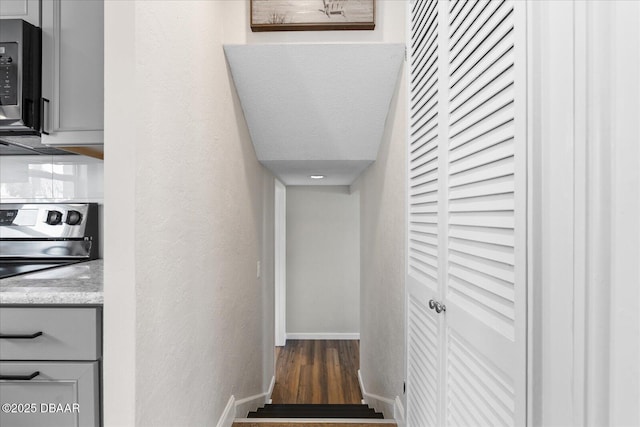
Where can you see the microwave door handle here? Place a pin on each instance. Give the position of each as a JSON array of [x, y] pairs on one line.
[[45, 116]]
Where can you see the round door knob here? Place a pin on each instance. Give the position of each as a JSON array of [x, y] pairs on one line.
[[432, 304], [73, 218], [54, 217], [440, 307]]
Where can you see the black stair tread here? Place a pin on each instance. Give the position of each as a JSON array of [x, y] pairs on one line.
[[337, 405], [353, 405], [318, 408], [316, 411], [313, 415], [323, 413]]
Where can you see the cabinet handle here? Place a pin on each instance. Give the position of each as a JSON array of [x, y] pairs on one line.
[[440, 307], [45, 116], [20, 377], [432, 304], [20, 336]]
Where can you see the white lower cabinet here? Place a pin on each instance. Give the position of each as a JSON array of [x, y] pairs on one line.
[[50, 366]]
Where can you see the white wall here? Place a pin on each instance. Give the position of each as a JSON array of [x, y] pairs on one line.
[[323, 259], [381, 300], [187, 323], [585, 326], [382, 251], [183, 333]]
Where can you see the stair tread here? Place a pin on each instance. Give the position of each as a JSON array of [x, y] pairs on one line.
[[316, 404], [255, 422], [315, 412], [327, 411], [375, 415], [312, 408]]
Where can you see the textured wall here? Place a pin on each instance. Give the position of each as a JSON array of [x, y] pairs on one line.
[[382, 251], [183, 332], [200, 221], [323, 258]]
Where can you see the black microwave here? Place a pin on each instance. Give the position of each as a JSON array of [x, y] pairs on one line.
[[20, 77]]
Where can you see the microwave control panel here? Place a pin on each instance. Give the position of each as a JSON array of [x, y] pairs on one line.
[[8, 73]]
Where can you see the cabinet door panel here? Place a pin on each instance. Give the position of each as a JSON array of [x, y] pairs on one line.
[[478, 391], [422, 363], [485, 287], [58, 383], [67, 333], [73, 71], [29, 10], [424, 237]]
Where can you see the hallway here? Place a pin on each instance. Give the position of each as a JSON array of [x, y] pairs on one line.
[[496, 223], [317, 371]]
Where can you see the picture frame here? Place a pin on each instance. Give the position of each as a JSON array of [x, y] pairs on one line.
[[312, 15]]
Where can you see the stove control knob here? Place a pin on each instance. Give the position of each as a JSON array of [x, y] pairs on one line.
[[54, 217], [73, 218]]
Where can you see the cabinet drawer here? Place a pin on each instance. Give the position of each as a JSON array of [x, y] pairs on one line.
[[72, 389], [58, 333]]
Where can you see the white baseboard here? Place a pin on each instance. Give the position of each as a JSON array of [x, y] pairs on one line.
[[270, 391], [315, 421], [229, 414], [252, 403], [323, 335], [248, 404], [398, 412], [382, 404]]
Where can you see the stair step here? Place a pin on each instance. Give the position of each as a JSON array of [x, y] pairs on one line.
[[319, 410], [326, 411], [324, 405], [281, 422]]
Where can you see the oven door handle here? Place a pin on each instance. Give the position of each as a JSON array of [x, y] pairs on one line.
[[20, 336], [20, 377]]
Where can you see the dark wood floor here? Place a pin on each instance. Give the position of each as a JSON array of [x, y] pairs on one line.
[[317, 371]]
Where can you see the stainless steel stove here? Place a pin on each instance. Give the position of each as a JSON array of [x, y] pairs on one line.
[[39, 236]]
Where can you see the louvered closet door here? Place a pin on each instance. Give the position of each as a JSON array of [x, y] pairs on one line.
[[423, 264], [467, 231], [485, 290]]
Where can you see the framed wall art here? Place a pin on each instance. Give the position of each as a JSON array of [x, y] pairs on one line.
[[312, 15]]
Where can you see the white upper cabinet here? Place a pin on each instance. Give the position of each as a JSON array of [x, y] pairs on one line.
[[72, 72], [29, 10]]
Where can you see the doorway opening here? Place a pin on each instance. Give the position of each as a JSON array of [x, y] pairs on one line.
[[317, 280]]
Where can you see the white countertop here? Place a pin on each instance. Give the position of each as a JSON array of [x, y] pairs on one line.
[[80, 283]]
